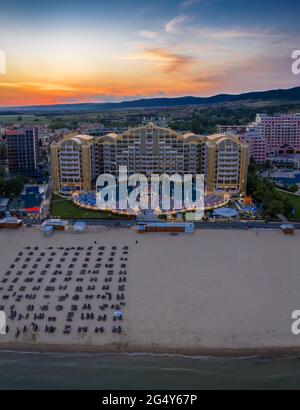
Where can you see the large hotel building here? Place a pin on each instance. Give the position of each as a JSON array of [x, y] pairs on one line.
[[22, 150], [74, 163], [281, 132], [78, 159], [269, 136]]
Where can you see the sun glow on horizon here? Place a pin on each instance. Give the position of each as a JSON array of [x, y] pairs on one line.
[[66, 60]]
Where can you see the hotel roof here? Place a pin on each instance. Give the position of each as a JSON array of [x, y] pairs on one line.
[[78, 138], [112, 137], [218, 138]]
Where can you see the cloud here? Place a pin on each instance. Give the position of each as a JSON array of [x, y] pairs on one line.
[[39, 86], [187, 4], [174, 26], [148, 34], [235, 33], [171, 62]]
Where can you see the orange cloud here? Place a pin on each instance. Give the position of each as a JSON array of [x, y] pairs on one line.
[[171, 62], [19, 94]]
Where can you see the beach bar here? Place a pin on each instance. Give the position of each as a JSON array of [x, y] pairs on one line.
[[10, 223], [167, 227], [57, 224], [287, 229]]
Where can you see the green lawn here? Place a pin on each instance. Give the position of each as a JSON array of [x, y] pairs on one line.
[[295, 201], [26, 119], [64, 208]]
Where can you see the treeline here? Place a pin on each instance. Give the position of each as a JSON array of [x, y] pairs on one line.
[[10, 187], [264, 192], [205, 120], [3, 151]]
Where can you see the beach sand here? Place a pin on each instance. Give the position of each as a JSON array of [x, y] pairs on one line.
[[214, 292]]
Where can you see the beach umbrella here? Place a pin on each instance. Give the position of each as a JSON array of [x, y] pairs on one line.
[[118, 314]]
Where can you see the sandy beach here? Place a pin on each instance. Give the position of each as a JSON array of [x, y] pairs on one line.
[[214, 292]]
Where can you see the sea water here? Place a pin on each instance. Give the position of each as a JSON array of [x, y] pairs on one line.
[[150, 372]]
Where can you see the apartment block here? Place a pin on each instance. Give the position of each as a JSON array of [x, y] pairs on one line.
[[281, 132], [257, 144], [22, 150]]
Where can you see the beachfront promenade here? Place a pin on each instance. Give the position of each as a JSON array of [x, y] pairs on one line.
[[235, 225], [210, 292]]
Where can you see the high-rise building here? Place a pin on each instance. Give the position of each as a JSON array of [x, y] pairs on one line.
[[256, 142], [79, 159], [22, 150], [282, 132], [74, 163], [226, 162]]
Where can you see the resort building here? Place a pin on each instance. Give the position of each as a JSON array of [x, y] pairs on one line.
[[150, 150], [282, 132], [256, 142], [231, 129], [22, 150], [250, 135], [74, 163], [79, 159], [226, 162]]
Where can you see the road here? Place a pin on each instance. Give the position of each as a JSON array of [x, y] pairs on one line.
[[199, 225]]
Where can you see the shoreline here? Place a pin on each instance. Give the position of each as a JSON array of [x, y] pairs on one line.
[[226, 353]]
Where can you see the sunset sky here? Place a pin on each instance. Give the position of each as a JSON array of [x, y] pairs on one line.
[[96, 51]]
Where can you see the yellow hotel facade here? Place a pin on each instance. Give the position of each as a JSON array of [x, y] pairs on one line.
[[77, 160]]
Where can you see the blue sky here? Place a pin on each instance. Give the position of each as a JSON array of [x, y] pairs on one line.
[[275, 13], [95, 50]]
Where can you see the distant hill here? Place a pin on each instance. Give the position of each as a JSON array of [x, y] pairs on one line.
[[292, 94]]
